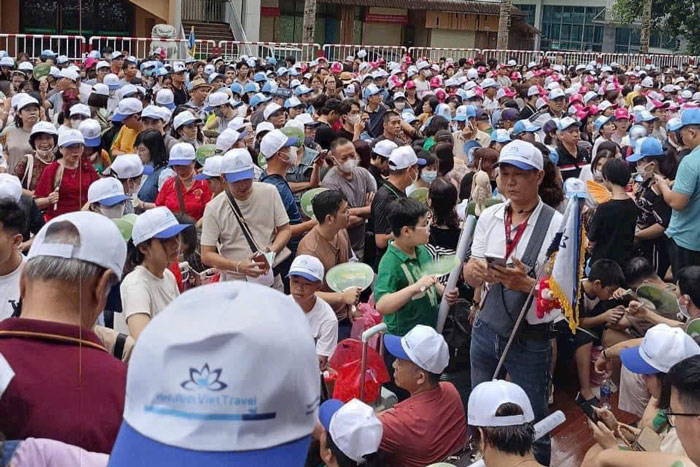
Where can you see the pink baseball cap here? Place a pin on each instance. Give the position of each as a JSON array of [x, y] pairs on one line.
[[622, 114], [410, 85]]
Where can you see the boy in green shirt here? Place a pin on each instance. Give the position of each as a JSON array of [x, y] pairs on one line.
[[403, 295]]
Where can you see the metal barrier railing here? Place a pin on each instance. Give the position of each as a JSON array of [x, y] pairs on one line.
[[143, 47], [390, 53], [436, 53], [33, 44], [75, 47], [232, 50]]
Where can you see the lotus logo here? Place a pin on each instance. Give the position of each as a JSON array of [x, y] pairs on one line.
[[204, 379]]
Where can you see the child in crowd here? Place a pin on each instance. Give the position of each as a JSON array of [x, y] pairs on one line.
[[305, 279], [611, 234]]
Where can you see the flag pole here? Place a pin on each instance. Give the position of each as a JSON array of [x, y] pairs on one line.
[[465, 239]]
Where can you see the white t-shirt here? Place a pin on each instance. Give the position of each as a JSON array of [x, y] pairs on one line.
[[490, 240], [324, 327], [142, 292], [9, 291]]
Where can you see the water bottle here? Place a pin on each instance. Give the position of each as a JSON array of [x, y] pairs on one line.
[[605, 393]]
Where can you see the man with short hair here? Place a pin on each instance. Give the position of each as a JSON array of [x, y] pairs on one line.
[[357, 184], [329, 242], [376, 110], [178, 85], [244, 222], [429, 425], [351, 120], [12, 220], [519, 233], [501, 415], [74, 261], [130, 71], [379, 159], [391, 123], [571, 157], [328, 116], [684, 198], [554, 110], [199, 90]]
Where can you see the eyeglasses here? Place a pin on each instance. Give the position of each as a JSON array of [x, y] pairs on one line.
[[671, 417]]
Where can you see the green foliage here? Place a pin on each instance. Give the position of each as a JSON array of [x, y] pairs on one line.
[[677, 18]]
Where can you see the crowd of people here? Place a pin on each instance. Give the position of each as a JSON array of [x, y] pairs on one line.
[[163, 288]]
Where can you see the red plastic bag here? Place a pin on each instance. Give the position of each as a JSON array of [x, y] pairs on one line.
[[370, 317], [347, 362]]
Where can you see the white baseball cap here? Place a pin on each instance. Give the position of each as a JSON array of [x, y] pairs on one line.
[[218, 98], [575, 187], [91, 131], [662, 347], [307, 266], [10, 187], [237, 165], [353, 427], [489, 83], [184, 118], [566, 123], [178, 67], [44, 127], [522, 155], [384, 147], [152, 112], [181, 154], [294, 123], [533, 91], [127, 107], [274, 141], [80, 109], [556, 93], [100, 89], [588, 96], [70, 74], [263, 126], [100, 241], [228, 138], [156, 223], [24, 100], [165, 98], [102, 64], [237, 123], [112, 81], [307, 119], [487, 397], [126, 166], [116, 54], [212, 168], [69, 138], [500, 136], [423, 346], [227, 391], [403, 157], [270, 109], [108, 191]]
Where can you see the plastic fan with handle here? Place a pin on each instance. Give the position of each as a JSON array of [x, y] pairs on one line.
[[441, 266], [598, 192], [343, 276], [307, 199]]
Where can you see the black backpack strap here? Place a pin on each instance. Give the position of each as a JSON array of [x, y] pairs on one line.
[[539, 232], [119, 344]]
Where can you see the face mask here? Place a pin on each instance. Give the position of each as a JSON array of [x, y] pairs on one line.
[[347, 166], [292, 158], [112, 212], [683, 309], [44, 153], [427, 73], [428, 176], [353, 118], [597, 176], [399, 105], [647, 171]]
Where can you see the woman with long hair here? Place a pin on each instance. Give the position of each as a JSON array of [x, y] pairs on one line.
[[150, 147], [444, 230], [186, 128], [428, 105]]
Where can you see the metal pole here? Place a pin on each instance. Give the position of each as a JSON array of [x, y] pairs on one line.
[[465, 239]]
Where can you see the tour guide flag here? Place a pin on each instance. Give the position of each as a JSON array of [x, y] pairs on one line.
[[567, 262], [190, 43]]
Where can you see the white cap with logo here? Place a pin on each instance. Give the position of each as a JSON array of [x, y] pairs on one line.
[[486, 398], [237, 165], [403, 157], [384, 147], [522, 155], [353, 427], [181, 154], [307, 266], [662, 347], [227, 391], [212, 168], [273, 142]]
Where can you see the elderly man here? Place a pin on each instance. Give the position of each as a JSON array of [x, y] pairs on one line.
[[72, 264], [358, 186], [430, 425], [517, 234], [245, 228]]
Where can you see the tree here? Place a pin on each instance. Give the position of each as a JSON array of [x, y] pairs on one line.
[[645, 34], [674, 18], [309, 26], [504, 24]]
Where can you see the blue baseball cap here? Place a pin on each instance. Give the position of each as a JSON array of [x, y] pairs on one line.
[[647, 147], [690, 117], [236, 88], [259, 77], [500, 136], [250, 87], [674, 124], [525, 126]]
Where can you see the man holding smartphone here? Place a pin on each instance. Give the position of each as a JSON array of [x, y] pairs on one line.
[[518, 234]]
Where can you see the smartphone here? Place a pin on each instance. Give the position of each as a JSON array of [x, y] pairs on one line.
[[589, 411], [260, 258], [492, 261]]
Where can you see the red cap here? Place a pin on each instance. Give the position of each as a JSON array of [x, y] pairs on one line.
[[621, 114], [410, 85]]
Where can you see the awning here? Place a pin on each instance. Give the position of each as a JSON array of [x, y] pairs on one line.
[[477, 8], [525, 28]]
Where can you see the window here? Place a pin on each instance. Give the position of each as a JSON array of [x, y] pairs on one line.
[[628, 40], [529, 11], [571, 28]]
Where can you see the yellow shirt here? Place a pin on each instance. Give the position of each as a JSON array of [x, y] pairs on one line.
[[124, 142]]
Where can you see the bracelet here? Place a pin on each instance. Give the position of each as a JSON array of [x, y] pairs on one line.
[[238, 263]]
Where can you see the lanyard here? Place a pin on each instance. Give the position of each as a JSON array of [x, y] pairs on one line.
[[511, 243]]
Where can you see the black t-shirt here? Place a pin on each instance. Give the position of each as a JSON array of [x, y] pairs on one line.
[[652, 208], [325, 136], [569, 165], [343, 133], [612, 230], [181, 96], [34, 219], [380, 211], [445, 239]]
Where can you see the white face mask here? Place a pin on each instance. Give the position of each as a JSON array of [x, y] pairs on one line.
[[353, 118], [291, 159], [683, 309], [399, 105], [347, 166], [427, 73], [112, 212]]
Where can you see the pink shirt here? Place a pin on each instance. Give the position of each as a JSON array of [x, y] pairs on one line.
[[425, 428]]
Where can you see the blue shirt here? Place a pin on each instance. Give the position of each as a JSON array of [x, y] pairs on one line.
[[290, 204], [149, 190], [685, 224]]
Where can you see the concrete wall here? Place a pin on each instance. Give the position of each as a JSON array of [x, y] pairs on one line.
[[381, 34]]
